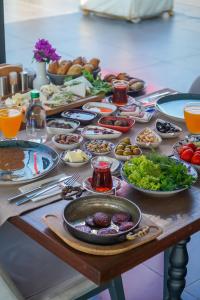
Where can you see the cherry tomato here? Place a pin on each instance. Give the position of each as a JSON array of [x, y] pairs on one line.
[[192, 146], [197, 149], [182, 148], [196, 159], [187, 154]]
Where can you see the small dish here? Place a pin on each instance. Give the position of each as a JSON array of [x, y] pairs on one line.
[[130, 147], [104, 109], [56, 126], [185, 141], [84, 117], [97, 132], [104, 122], [140, 115], [67, 146], [167, 135], [108, 99], [116, 186], [99, 147], [114, 162], [148, 138], [74, 164]]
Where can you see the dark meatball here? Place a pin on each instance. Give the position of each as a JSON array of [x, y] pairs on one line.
[[101, 219], [90, 221], [83, 228], [106, 231], [121, 217], [126, 226]]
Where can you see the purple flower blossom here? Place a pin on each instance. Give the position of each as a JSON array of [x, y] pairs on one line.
[[44, 52]]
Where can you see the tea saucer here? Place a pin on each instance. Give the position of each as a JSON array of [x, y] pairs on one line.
[[116, 186], [131, 100]]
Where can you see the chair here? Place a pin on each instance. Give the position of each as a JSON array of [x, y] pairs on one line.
[[39, 275]]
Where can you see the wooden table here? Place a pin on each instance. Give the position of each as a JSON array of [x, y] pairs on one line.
[[179, 216]]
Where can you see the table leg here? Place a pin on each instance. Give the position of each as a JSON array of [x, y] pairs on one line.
[[116, 289], [2, 34], [177, 270], [166, 268]]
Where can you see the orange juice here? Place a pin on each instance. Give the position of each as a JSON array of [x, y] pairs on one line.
[[10, 121], [192, 117]]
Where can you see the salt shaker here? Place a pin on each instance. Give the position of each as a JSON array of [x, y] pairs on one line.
[[13, 82]]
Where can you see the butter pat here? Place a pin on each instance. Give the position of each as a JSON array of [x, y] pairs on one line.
[[76, 156]]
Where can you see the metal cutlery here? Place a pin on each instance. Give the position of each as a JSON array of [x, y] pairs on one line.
[[68, 181], [43, 185]]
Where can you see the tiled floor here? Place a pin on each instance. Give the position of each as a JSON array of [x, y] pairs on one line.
[[165, 51]]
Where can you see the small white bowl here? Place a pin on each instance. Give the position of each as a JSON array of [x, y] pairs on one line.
[[93, 107], [67, 146], [75, 164], [148, 145], [169, 135], [57, 130]]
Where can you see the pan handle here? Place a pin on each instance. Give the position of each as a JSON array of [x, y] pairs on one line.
[[137, 233]]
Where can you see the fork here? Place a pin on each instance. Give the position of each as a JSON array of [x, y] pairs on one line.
[[69, 181]]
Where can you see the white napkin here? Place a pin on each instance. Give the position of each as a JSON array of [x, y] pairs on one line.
[[53, 192]]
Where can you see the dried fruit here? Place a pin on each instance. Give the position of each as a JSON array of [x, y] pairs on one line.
[[83, 228], [121, 217], [101, 219], [126, 226], [106, 231]]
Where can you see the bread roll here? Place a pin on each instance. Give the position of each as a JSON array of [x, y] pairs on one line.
[[53, 67], [80, 61], [88, 67], [64, 67], [75, 70], [95, 62], [109, 77]]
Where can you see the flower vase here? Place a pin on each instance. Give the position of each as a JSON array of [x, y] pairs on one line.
[[41, 76]]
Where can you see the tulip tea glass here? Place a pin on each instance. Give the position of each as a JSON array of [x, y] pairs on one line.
[[102, 178], [120, 89]]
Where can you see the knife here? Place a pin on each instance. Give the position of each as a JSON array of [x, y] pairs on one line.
[[43, 185]]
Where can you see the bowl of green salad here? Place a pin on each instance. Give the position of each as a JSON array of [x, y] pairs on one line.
[[158, 175]]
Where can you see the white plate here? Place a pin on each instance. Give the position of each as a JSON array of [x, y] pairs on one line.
[[114, 162], [111, 147], [100, 136], [190, 139], [93, 107], [75, 164], [148, 145], [57, 130], [191, 171], [67, 146], [116, 186], [171, 134]]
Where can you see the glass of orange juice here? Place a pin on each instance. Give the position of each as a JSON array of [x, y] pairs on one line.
[[10, 121], [192, 117]]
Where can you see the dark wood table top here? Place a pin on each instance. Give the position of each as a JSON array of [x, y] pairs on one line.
[[179, 217]]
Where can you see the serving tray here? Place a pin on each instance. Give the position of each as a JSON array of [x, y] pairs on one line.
[[55, 224]]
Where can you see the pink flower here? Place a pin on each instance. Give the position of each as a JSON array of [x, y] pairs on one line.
[[44, 52]]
